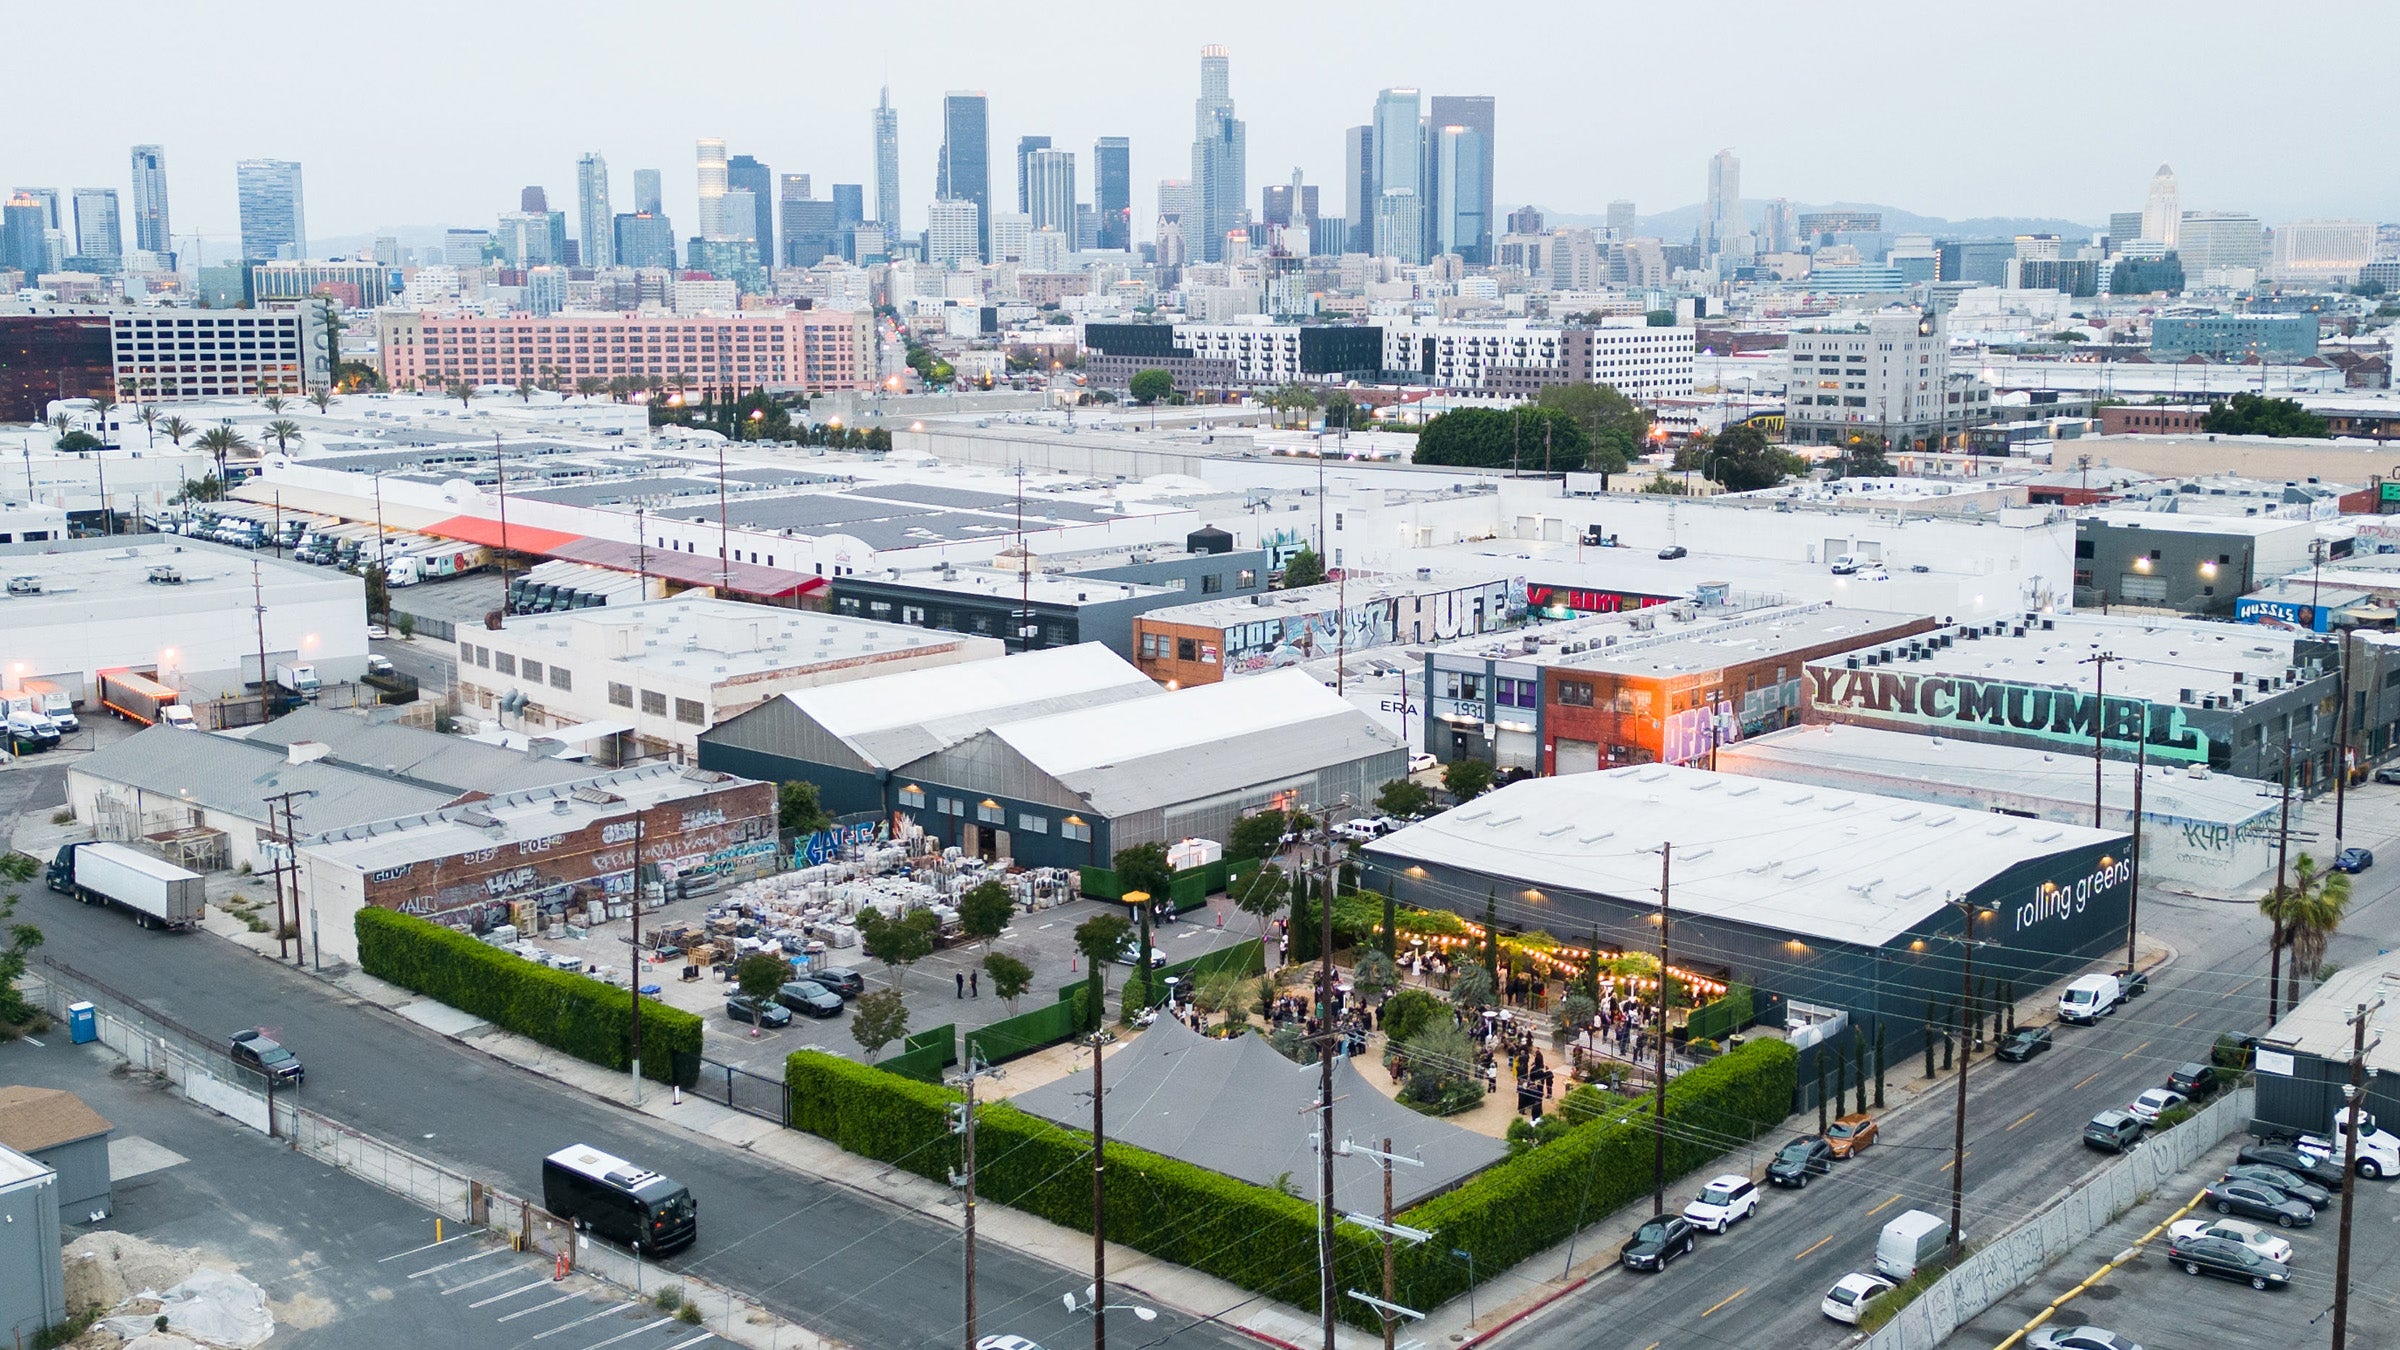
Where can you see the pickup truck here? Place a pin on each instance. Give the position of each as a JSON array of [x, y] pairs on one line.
[[256, 1052]]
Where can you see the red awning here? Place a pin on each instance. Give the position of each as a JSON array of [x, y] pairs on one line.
[[521, 538]]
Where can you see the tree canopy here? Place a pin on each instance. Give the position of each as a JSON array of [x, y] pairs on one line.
[[1744, 460], [1466, 779], [1305, 568], [1616, 425], [797, 810], [985, 910], [1143, 867], [1257, 835], [1150, 386], [1403, 797], [2258, 415], [1534, 438]]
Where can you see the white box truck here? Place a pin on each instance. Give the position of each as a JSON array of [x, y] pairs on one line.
[[160, 894], [301, 679], [1910, 1242], [57, 704]]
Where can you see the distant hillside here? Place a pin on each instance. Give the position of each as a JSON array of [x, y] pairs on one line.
[[1679, 224]]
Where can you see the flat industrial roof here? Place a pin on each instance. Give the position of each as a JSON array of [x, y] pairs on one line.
[[1837, 865], [84, 580], [517, 817], [893, 719], [1674, 648], [2320, 1025], [2154, 658], [1235, 610], [725, 639], [1045, 587]]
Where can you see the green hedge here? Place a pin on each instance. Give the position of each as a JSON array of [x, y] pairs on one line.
[[925, 1054], [1263, 1239], [561, 1009], [1722, 1017], [1025, 1033]]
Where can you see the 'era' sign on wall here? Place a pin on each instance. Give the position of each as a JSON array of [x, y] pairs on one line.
[[2031, 710]]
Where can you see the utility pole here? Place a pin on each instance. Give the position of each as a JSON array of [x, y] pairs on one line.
[[636, 982], [963, 1125], [258, 608], [2354, 1094], [724, 530], [2341, 745], [1391, 1312], [1326, 1038], [1658, 1100], [1966, 1056], [283, 943], [2133, 893], [290, 858], [2099, 664], [1099, 1210], [2283, 858], [500, 477]]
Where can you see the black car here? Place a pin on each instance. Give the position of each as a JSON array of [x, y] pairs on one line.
[[1657, 1242], [2231, 1260], [741, 1009], [254, 1051], [2134, 983], [2194, 1080], [2325, 1171], [2115, 1129], [2291, 1184], [810, 997], [2257, 1200], [2024, 1043], [1798, 1161], [841, 980], [1674, 551]]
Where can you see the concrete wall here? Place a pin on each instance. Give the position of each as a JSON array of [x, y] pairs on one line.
[[33, 1286], [82, 1167]]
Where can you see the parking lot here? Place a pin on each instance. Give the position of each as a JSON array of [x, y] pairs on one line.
[[2157, 1304]]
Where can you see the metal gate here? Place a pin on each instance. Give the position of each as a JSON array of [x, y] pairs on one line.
[[745, 1091]]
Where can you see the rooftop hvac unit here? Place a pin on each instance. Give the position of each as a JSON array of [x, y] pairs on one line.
[[1851, 661], [2018, 631], [2186, 696], [2049, 624]]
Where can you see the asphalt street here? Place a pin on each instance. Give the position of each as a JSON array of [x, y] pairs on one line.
[[843, 1264], [426, 658], [1760, 1284]]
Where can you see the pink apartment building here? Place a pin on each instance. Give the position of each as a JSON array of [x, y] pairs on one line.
[[779, 349]]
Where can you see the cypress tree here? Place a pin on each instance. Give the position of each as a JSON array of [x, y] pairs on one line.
[[1879, 1066]]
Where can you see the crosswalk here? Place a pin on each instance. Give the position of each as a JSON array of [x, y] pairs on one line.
[[529, 1307]]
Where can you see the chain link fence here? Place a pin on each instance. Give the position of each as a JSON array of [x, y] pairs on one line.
[[1987, 1276]]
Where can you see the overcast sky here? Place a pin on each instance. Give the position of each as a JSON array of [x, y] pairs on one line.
[[436, 112]]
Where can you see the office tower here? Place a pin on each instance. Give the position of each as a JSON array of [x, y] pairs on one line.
[[1460, 225], [648, 195], [812, 230], [1087, 227], [849, 203], [1050, 189], [1220, 146], [2323, 251], [1112, 191], [741, 215], [1475, 112], [387, 250], [532, 238], [274, 225], [1399, 167], [711, 157], [533, 200], [1174, 199], [2162, 217], [887, 166], [1721, 217], [1525, 220], [97, 233], [745, 174], [465, 248], [151, 233], [1620, 219], [952, 226], [1400, 226], [2217, 239], [2123, 228], [1779, 227], [645, 240], [1026, 145], [964, 173], [47, 198], [1010, 232], [593, 220], [1358, 179], [23, 223], [1288, 206]]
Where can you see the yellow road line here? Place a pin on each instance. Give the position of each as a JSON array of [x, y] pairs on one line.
[[2087, 1078], [1954, 1161], [2237, 989], [2187, 1021], [1820, 1242], [2135, 1050], [2111, 1264], [1728, 1299], [1884, 1206], [2023, 1118]]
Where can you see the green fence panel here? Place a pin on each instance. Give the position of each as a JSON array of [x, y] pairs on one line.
[[1025, 1033], [1721, 1018]]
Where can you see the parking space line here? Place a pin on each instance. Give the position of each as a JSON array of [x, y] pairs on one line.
[[679, 1345], [426, 1248], [629, 1335], [486, 1279], [2135, 1050], [489, 1251], [511, 1317], [1954, 1161], [2087, 1078], [1819, 1243], [1885, 1205], [1728, 1299], [2022, 1119], [594, 1317], [496, 1298]]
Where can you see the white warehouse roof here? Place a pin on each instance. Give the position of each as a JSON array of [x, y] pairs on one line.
[[893, 719]]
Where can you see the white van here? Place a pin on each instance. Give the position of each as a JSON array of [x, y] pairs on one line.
[[1910, 1241], [1850, 564], [2091, 998]]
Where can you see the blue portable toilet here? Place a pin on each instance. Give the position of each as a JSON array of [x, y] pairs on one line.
[[83, 1023]]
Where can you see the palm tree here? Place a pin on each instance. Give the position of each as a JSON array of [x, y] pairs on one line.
[[2306, 914], [222, 440], [589, 385], [618, 387], [149, 420], [102, 406], [463, 391], [62, 423], [525, 391], [282, 431], [323, 398], [274, 403], [176, 429]]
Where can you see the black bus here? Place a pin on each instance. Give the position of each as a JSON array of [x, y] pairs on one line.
[[619, 1201]]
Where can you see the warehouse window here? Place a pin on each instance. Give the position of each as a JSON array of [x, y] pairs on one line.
[[1149, 646], [1575, 693], [561, 678], [654, 703], [689, 711], [913, 798], [1074, 828], [504, 663], [1211, 584], [1033, 824], [1187, 649], [533, 670], [620, 694], [991, 812]]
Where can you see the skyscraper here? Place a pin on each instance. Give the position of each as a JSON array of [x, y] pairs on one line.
[[964, 173], [1721, 218], [711, 158], [1620, 219], [2162, 216], [849, 204], [1399, 162], [950, 231], [1220, 147], [1460, 224], [23, 222], [1026, 145], [1358, 179], [273, 220], [47, 199], [533, 199], [649, 198], [887, 166], [1112, 191], [1050, 189], [150, 230], [592, 216], [97, 231], [745, 174], [1477, 113]]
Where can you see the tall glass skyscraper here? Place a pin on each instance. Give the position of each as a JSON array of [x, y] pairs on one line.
[[1026, 145], [98, 233], [274, 225], [649, 196], [1220, 149], [1050, 190], [1399, 159], [23, 223], [1721, 217], [746, 174], [1112, 191], [150, 230], [592, 216], [965, 172], [1475, 112], [887, 166], [710, 160]]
